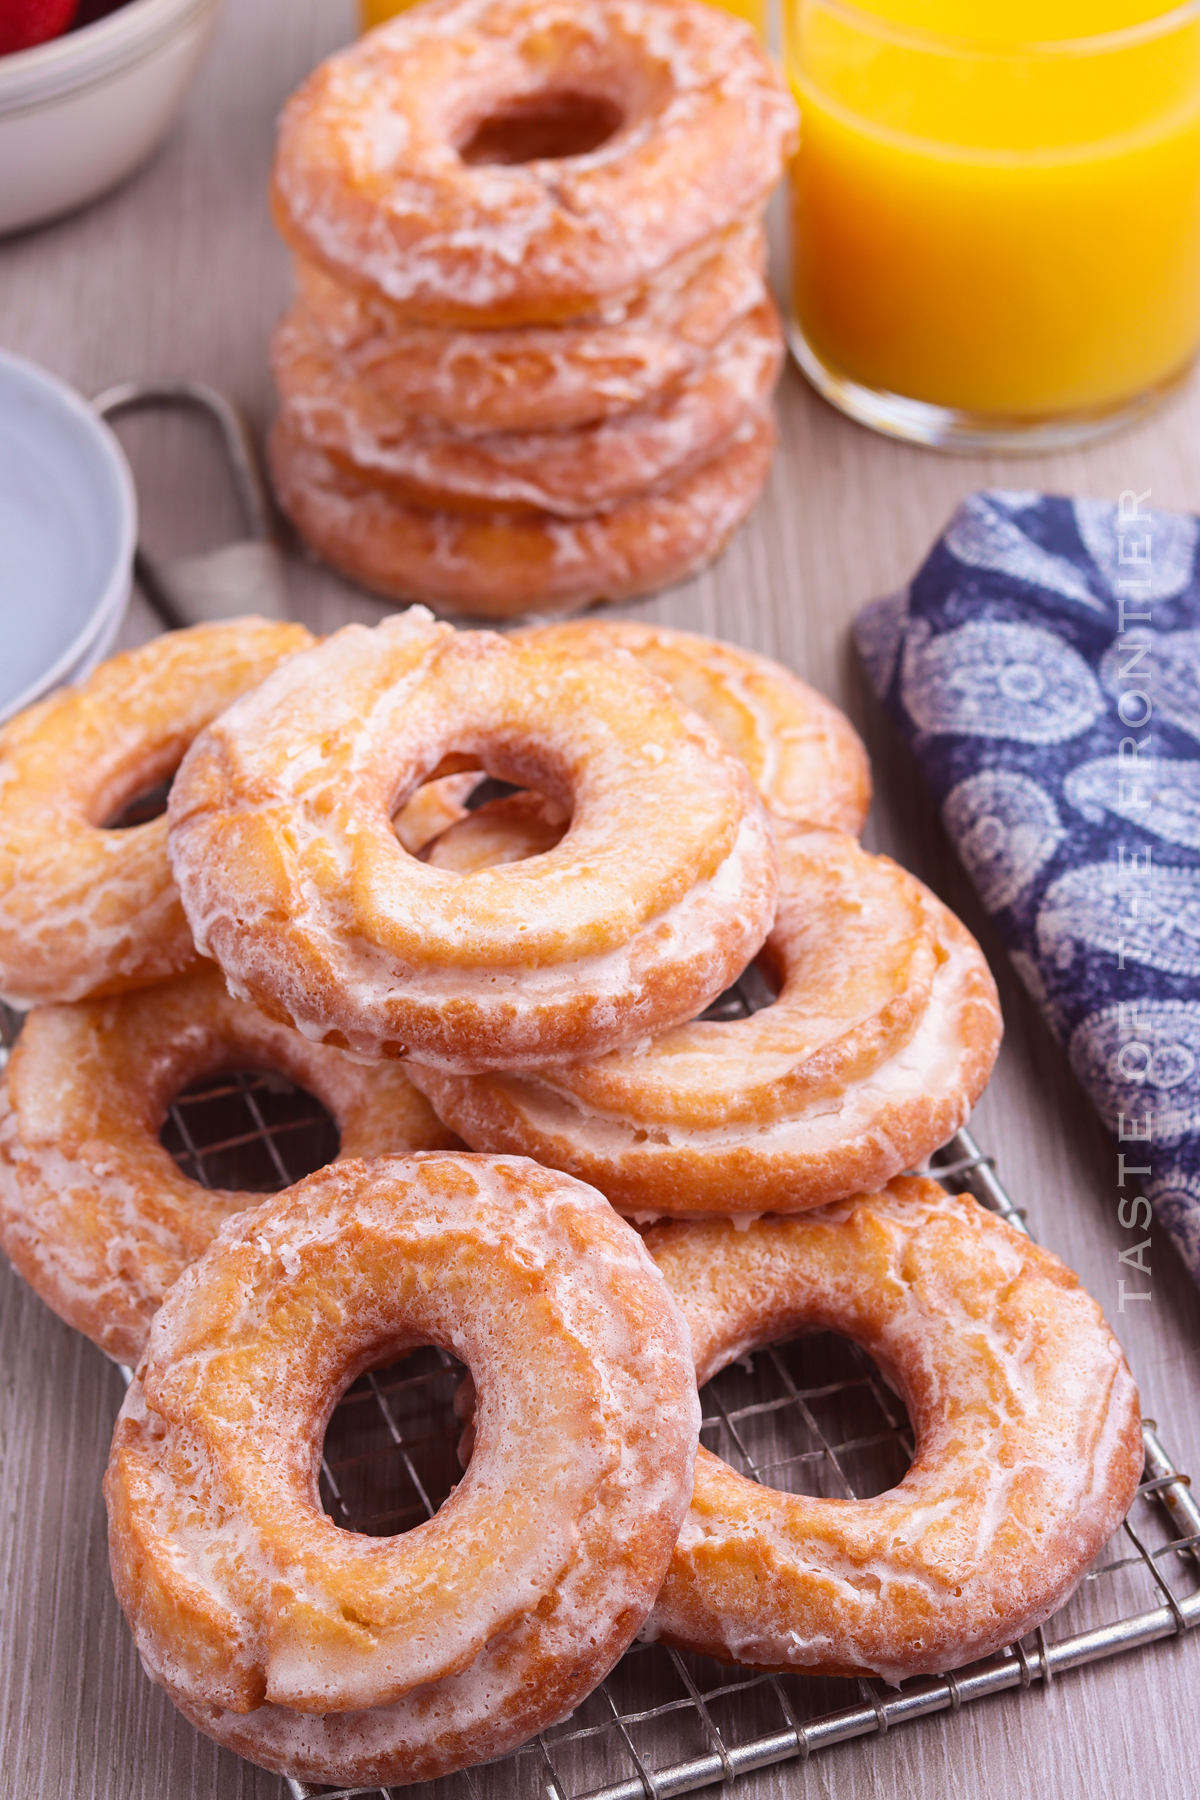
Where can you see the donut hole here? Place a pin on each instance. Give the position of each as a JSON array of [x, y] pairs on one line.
[[390, 1456], [148, 803], [813, 1415], [504, 824], [490, 789], [545, 127], [251, 1131]]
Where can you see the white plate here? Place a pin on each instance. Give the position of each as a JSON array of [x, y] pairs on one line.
[[68, 527], [79, 114]]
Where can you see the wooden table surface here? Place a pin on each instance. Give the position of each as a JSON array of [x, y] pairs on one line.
[[180, 274]]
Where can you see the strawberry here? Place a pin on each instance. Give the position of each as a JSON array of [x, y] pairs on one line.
[[27, 22]]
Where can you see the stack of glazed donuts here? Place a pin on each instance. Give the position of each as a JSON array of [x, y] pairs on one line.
[[531, 358], [528, 975]]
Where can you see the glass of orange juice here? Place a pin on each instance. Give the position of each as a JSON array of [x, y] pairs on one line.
[[995, 213], [374, 12]]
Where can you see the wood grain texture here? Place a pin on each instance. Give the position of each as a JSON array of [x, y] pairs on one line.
[[180, 274]]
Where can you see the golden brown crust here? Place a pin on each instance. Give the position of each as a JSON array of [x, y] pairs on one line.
[[568, 473], [507, 567], [331, 1656], [542, 378], [94, 1212], [1028, 1440], [85, 911], [293, 880], [882, 1039], [369, 182], [805, 757]]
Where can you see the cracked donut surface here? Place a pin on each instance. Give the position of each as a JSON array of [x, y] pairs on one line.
[[293, 879], [804, 756], [370, 181], [882, 1037], [546, 378], [568, 473], [506, 566], [84, 910], [94, 1212], [331, 1656], [1026, 1420]]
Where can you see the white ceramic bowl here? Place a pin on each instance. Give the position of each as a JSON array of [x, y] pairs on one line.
[[68, 529], [77, 115]]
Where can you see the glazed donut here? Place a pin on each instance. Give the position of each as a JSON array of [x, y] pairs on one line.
[[83, 910], [882, 1038], [546, 379], [508, 567], [94, 1212], [385, 175], [293, 880], [1028, 1439], [334, 1657], [572, 474], [805, 757]]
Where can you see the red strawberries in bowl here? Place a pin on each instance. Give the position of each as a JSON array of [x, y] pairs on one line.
[[24, 23]]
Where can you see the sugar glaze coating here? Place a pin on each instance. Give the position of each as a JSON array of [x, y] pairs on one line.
[[508, 566], [84, 910], [293, 880], [883, 1036], [370, 183], [94, 1212], [545, 378], [805, 758], [571, 473], [335, 1657], [1028, 1439]]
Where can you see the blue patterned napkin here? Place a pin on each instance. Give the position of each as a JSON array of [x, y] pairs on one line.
[[1044, 665]]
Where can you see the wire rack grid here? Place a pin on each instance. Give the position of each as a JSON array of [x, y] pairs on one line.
[[811, 1416]]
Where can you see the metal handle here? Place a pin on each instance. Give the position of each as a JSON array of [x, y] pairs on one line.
[[246, 576]]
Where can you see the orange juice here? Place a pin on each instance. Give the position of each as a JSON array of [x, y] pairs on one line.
[[374, 12], [755, 12], [991, 227]]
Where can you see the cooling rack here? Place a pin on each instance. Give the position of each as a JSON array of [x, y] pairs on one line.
[[810, 1416]]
